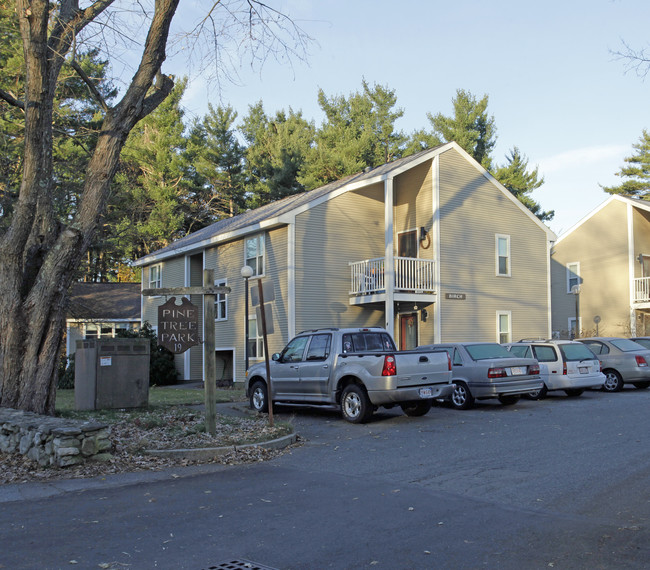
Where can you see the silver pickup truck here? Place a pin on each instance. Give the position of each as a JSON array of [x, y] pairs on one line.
[[355, 370]]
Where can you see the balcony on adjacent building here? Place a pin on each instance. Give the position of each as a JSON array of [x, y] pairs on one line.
[[642, 290], [414, 280]]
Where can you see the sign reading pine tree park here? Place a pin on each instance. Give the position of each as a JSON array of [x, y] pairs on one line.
[[178, 325]]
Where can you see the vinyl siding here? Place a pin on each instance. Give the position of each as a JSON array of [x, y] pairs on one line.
[[344, 229], [600, 246], [472, 211]]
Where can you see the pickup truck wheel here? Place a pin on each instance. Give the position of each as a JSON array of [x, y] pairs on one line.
[[613, 381], [537, 394], [259, 397], [355, 404], [417, 408], [574, 392], [462, 398], [508, 399]]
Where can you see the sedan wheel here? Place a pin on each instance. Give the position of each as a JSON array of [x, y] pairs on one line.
[[537, 394], [613, 381], [462, 398]]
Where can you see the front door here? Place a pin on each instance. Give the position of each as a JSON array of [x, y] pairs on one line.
[[408, 328]]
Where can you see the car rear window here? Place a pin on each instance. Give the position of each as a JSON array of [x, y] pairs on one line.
[[520, 351], [486, 351], [626, 345], [546, 353], [576, 351], [644, 342], [367, 342]]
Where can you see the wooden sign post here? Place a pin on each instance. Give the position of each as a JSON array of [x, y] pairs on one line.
[[209, 292]]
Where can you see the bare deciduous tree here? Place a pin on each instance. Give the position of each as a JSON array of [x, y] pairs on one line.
[[40, 253]]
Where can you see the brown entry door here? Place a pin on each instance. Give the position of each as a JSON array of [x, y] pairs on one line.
[[408, 328]]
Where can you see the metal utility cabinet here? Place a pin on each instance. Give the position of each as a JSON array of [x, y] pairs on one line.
[[111, 373]]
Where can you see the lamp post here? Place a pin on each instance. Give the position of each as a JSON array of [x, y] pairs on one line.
[[576, 291], [246, 273]]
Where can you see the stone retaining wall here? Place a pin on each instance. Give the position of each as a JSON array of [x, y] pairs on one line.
[[53, 441]]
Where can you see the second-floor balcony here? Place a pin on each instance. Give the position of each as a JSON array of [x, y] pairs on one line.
[[642, 290], [413, 277]]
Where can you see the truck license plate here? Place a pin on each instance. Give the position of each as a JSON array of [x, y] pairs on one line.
[[516, 371], [426, 393]]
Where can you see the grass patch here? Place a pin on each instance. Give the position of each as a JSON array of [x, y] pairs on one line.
[[160, 396]]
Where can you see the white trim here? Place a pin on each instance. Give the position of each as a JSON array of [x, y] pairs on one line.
[[187, 362], [291, 279], [435, 173], [498, 331], [630, 265], [508, 273], [549, 293], [568, 274], [389, 255]]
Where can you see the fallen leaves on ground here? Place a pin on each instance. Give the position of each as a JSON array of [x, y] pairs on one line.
[[172, 428]]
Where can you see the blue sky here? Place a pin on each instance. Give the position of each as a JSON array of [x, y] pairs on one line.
[[555, 88]]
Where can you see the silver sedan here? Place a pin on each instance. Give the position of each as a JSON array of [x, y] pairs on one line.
[[624, 361]]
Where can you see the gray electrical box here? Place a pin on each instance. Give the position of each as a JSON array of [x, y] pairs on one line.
[[111, 373]]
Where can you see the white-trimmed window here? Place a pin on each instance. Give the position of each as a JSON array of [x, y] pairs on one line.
[[221, 302], [255, 339], [502, 251], [572, 327], [504, 326], [155, 276], [254, 252], [572, 275]]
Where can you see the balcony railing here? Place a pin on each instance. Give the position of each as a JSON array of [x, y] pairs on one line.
[[411, 274], [642, 290]]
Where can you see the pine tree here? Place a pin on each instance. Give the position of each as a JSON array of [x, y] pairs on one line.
[[637, 173], [520, 182]]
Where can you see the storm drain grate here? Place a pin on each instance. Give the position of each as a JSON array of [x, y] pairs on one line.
[[239, 565]]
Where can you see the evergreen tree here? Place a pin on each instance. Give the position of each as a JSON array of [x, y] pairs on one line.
[[359, 132], [470, 127], [636, 174], [276, 153], [216, 159], [520, 182]]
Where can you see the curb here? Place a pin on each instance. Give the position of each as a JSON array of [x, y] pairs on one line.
[[205, 453]]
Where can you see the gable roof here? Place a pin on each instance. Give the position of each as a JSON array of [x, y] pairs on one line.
[[105, 301], [279, 212], [634, 202]]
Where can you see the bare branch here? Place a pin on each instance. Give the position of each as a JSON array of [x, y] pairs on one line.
[[11, 100], [635, 60], [84, 77]]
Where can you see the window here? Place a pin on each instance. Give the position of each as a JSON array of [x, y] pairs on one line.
[[502, 243], [407, 244], [221, 302], [295, 349], [572, 276], [255, 340], [155, 277], [92, 331], [504, 333], [545, 353], [572, 327], [255, 254], [319, 347]]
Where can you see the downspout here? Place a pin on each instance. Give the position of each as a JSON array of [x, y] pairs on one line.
[[630, 264], [389, 257], [549, 299]]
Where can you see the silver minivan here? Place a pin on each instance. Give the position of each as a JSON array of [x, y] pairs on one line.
[[563, 365]]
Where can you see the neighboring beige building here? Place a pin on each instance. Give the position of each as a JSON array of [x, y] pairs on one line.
[[607, 255], [430, 246]]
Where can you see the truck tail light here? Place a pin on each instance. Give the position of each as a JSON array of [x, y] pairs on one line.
[[390, 368], [640, 361], [497, 373], [534, 369]]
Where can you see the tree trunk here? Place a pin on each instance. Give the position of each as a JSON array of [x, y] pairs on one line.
[[38, 256]]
